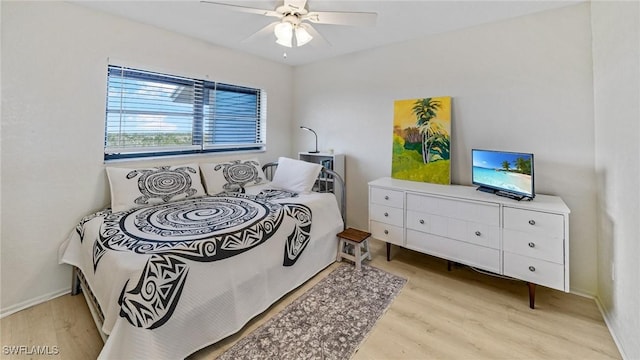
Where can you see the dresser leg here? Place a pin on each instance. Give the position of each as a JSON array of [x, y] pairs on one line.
[[532, 294], [388, 251]]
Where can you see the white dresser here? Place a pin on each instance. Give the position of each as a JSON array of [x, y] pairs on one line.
[[526, 240]]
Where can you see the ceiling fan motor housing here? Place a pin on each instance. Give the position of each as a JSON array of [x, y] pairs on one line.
[[286, 10]]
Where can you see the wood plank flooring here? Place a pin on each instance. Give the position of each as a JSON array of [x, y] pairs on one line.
[[459, 314]]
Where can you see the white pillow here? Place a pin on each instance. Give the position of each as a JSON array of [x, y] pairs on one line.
[[134, 188], [233, 176], [295, 175]]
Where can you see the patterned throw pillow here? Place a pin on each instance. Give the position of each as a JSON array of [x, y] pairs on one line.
[[134, 188], [232, 176]]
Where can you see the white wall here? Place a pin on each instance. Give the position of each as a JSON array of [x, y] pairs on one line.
[[54, 63], [521, 85], [616, 60]]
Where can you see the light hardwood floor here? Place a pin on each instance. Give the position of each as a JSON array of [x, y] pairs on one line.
[[438, 315]]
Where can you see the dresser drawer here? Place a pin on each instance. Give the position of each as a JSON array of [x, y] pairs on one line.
[[534, 270], [424, 203], [534, 222], [387, 197], [386, 214], [532, 245], [486, 213], [475, 233], [387, 233], [419, 221], [465, 253]]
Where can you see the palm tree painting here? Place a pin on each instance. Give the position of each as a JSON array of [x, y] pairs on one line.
[[422, 140]]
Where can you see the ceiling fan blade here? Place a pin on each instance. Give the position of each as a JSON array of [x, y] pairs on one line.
[[264, 31], [244, 9], [295, 4], [342, 18], [313, 32]]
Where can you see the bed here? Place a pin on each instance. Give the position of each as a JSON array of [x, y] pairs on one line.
[[166, 277]]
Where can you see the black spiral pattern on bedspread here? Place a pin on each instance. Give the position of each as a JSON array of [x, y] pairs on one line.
[[204, 230]]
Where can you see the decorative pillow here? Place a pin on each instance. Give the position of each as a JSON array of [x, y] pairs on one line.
[[295, 175], [133, 188], [232, 176]]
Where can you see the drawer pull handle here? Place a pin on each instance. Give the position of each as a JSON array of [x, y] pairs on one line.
[[386, 197], [421, 222], [478, 233], [532, 222], [532, 245], [386, 232], [532, 269], [386, 214]]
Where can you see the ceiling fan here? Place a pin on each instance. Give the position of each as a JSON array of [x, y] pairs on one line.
[[293, 27]]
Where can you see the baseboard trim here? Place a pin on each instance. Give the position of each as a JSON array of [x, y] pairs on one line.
[[32, 302], [583, 294], [608, 323]]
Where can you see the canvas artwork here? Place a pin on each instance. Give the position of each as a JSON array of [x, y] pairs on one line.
[[422, 140]]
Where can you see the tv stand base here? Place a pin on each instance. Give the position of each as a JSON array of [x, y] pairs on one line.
[[512, 196], [504, 193]]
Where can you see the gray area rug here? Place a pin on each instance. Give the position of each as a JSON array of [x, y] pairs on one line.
[[329, 321]]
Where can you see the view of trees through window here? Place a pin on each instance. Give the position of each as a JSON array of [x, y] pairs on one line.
[[143, 139]]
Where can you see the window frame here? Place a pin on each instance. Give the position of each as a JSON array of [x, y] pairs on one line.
[[199, 119]]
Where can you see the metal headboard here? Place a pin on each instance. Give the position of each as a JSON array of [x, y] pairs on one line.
[[328, 182]]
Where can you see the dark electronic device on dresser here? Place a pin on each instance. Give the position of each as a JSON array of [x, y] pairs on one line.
[[503, 173]]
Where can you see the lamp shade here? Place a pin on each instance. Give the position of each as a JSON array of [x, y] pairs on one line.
[[284, 33], [302, 36]]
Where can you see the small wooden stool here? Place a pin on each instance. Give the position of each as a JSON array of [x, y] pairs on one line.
[[357, 238]]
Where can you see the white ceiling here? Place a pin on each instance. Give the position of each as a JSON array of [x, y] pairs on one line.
[[397, 21]]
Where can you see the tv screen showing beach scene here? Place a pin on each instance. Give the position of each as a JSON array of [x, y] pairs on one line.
[[503, 171]]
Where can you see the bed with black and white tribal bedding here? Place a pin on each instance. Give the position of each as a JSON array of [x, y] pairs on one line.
[[175, 277]]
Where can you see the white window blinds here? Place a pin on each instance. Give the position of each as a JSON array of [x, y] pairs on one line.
[[153, 114]]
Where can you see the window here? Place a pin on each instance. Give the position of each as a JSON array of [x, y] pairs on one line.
[[152, 114]]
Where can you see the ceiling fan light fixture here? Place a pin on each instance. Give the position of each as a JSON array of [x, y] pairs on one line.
[[284, 42], [284, 33], [295, 20], [302, 36]]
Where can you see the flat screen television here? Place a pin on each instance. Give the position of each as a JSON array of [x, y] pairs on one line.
[[503, 173]]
